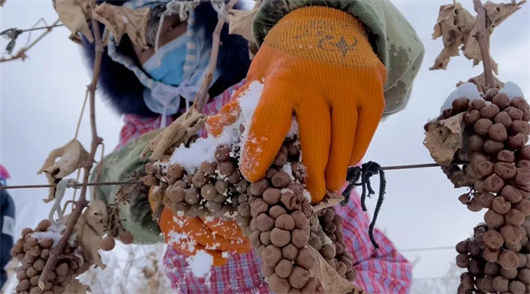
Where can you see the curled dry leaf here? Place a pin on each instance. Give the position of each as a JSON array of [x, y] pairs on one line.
[[76, 287], [74, 15], [480, 82], [72, 156], [240, 22], [454, 25], [121, 20], [496, 13], [175, 134], [444, 138], [331, 199], [90, 228], [333, 282]]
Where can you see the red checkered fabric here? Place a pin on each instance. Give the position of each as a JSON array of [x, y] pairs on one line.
[[379, 271]]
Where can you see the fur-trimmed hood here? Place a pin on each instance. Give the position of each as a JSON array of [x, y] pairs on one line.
[[121, 87]]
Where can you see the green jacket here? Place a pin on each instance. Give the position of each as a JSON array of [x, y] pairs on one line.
[[392, 38]]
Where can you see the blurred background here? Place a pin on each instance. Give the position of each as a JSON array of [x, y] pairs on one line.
[[41, 99]]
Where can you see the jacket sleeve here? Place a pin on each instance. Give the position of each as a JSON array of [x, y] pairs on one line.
[[392, 37], [135, 212]]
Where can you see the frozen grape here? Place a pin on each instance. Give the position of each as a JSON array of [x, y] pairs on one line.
[[519, 103], [493, 147], [482, 126], [472, 117], [264, 222], [508, 260], [284, 268], [280, 180], [475, 143], [498, 132], [271, 195], [517, 287], [276, 211], [493, 239], [328, 251], [271, 255], [278, 285], [285, 222], [500, 205], [489, 111], [299, 277], [305, 259], [517, 141], [506, 156], [504, 119], [460, 104], [107, 243], [281, 238], [501, 100], [514, 217]]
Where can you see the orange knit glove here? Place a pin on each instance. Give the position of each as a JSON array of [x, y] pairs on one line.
[[316, 63], [188, 235]]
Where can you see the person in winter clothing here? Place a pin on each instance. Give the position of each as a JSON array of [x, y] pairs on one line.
[[7, 223], [338, 66]]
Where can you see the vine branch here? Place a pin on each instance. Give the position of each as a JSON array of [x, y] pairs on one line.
[[482, 37], [96, 141], [21, 54], [202, 95]]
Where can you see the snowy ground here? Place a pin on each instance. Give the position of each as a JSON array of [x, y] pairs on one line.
[[40, 100]]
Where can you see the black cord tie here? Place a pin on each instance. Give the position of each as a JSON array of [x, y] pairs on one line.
[[363, 174]]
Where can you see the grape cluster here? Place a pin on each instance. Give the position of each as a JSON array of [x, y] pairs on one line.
[[213, 190], [327, 238], [497, 170], [33, 250], [280, 210], [274, 212]]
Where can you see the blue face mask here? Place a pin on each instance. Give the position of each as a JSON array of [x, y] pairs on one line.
[[167, 64]]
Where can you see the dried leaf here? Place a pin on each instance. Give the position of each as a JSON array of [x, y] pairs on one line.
[[496, 14], [72, 156], [331, 199], [76, 287], [90, 228], [74, 15], [453, 25], [444, 138], [184, 127], [240, 22], [480, 81], [333, 282], [121, 20], [76, 39]]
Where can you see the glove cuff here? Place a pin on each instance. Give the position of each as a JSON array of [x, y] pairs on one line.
[[324, 34]]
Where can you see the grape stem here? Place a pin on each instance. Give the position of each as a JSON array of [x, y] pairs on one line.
[[96, 141], [482, 37]]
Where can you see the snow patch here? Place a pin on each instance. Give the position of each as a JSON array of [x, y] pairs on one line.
[[468, 90], [200, 264], [293, 131], [204, 148], [53, 232], [288, 169], [512, 90], [307, 195], [186, 243]]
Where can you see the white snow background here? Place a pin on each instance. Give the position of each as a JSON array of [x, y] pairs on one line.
[[40, 100]]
